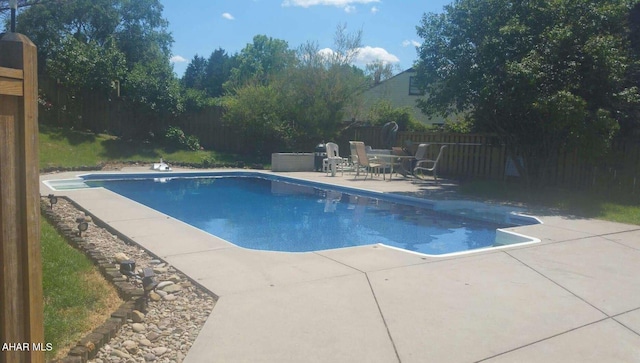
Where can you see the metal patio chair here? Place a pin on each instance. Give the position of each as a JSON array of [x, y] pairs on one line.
[[426, 165]]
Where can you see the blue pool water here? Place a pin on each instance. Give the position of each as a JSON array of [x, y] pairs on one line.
[[265, 214]]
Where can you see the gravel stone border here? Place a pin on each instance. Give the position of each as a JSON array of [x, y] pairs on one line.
[[160, 327]]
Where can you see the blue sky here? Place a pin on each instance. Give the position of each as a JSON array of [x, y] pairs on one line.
[[388, 26]]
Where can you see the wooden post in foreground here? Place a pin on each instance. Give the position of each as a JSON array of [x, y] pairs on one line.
[[21, 301]]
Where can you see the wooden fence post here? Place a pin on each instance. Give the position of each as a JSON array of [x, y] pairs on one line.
[[21, 300]]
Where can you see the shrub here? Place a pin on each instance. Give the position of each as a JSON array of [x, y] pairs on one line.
[[382, 112], [175, 137]]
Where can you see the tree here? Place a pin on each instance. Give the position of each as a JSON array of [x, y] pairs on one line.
[[48, 24], [85, 44], [86, 67], [218, 71], [143, 33], [324, 85], [379, 71], [153, 94], [209, 75], [544, 75], [304, 103], [261, 60], [260, 113], [194, 75]]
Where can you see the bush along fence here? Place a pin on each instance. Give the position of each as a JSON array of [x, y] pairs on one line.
[[483, 156]]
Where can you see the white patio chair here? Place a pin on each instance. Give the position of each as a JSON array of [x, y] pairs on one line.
[[333, 161]]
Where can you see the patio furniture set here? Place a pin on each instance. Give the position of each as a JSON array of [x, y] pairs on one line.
[[380, 161]]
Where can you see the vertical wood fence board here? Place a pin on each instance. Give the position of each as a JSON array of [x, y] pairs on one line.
[[11, 305]]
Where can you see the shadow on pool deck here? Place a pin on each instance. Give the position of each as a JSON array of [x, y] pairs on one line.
[[574, 297]]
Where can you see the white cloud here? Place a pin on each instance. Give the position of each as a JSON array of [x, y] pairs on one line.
[[338, 3], [326, 53], [407, 43], [177, 59], [228, 16], [366, 55], [374, 10], [349, 9], [369, 54]]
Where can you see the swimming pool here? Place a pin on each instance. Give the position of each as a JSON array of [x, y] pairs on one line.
[[266, 212]]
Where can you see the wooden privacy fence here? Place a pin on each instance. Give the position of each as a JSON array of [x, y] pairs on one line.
[[207, 125], [21, 301], [483, 156], [466, 155]]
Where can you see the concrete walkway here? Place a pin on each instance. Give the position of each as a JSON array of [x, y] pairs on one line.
[[574, 297]]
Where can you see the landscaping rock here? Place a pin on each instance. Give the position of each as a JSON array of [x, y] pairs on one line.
[[130, 346], [154, 296], [119, 257], [138, 328], [169, 297], [160, 270], [173, 288], [120, 354], [161, 293], [137, 316], [158, 351], [164, 284]]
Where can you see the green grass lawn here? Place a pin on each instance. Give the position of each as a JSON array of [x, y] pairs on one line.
[[76, 297], [64, 148], [606, 205]]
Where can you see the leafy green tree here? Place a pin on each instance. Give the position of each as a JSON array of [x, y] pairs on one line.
[[326, 84], [260, 60], [48, 24], [260, 113], [544, 75], [303, 105], [85, 44], [85, 67], [153, 94], [142, 32]]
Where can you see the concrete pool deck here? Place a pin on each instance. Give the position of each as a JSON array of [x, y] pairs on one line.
[[573, 297]]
